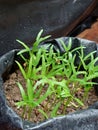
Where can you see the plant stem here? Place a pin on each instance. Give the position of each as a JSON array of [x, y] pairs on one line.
[[29, 113], [66, 104], [85, 96], [24, 111]]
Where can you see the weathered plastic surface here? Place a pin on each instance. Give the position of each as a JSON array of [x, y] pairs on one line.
[[95, 12], [23, 19], [12, 2], [80, 120]]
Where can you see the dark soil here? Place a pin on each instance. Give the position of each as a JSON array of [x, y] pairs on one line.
[[13, 95]]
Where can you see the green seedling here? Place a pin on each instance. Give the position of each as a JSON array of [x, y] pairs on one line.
[[53, 79]]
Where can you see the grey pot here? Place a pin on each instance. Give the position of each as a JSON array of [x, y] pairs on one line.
[[81, 120]]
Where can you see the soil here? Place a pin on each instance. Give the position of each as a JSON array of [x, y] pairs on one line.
[[13, 95]]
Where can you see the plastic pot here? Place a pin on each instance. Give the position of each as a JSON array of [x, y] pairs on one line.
[[80, 120], [21, 19]]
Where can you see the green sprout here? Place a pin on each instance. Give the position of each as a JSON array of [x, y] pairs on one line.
[[54, 77]]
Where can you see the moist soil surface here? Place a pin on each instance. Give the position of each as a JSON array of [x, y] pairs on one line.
[[12, 93]]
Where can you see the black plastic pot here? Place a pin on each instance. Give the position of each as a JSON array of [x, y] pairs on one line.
[[21, 19], [81, 120]]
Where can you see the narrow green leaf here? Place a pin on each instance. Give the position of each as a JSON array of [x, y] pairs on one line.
[[43, 113], [22, 51], [24, 58], [43, 97], [43, 66], [95, 75], [21, 104], [32, 103], [24, 45], [89, 55], [29, 73], [30, 92], [55, 109], [23, 94], [21, 69], [39, 35], [38, 57], [83, 63], [79, 101]]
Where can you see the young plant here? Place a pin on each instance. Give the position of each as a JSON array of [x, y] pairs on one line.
[[54, 79]]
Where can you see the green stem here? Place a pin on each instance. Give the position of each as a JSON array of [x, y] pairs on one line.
[[85, 96], [29, 113], [24, 111], [66, 104]]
